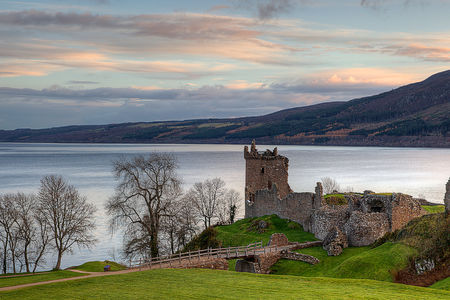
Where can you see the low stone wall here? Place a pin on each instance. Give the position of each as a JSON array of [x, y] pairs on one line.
[[297, 246], [213, 263], [299, 257]]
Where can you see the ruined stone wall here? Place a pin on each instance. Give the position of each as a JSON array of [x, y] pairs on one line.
[[265, 261], [299, 257], [296, 206], [325, 219], [278, 239], [263, 169], [404, 209], [447, 197], [212, 263], [363, 229]]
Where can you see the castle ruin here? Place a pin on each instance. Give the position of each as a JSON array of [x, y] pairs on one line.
[[365, 218]]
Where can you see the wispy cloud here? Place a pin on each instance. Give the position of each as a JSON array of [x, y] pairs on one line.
[[82, 82]]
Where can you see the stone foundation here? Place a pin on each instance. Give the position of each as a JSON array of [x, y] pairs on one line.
[[213, 263]]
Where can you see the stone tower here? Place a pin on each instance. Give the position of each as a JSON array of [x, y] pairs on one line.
[[264, 169]]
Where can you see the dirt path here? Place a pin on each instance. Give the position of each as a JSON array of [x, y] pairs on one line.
[[183, 263], [22, 275], [90, 275]]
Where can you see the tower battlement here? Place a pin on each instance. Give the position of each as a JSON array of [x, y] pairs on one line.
[[264, 169]]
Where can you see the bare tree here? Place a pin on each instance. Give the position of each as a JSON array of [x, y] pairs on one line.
[[233, 201], [70, 218], [8, 231], [33, 232], [180, 225], [330, 185], [207, 197], [146, 188], [25, 221], [187, 222]]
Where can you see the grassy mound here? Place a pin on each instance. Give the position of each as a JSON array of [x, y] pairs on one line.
[[97, 266], [45, 276], [210, 284], [434, 209], [442, 284], [429, 234], [335, 199], [206, 239], [247, 231], [355, 262]]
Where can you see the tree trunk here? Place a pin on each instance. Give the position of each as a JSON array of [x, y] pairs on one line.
[[206, 223], [38, 258], [58, 261], [172, 242], [154, 244], [25, 255], [5, 261]]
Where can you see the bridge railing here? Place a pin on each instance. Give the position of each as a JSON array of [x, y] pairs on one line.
[[177, 258]]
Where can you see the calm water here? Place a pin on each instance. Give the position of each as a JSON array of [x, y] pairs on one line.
[[415, 171]]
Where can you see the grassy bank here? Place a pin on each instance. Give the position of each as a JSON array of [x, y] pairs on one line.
[[442, 284], [356, 262], [434, 209], [97, 266], [210, 284], [11, 281], [247, 231]]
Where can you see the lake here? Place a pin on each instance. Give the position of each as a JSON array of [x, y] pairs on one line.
[[416, 171]]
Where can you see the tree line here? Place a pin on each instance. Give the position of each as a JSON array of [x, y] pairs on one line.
[[57, 218], [155, 214], [148, 206]]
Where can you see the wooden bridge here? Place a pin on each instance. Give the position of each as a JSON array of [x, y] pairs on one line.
[[182, 260]]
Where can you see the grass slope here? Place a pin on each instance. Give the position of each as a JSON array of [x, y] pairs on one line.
[[211, 284], [442, 284], [434, 209], [355, 262], [246, 231], [37, 278], [97, 266]]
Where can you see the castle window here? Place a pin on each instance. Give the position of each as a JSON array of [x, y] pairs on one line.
[[262, 170], [376, 206]]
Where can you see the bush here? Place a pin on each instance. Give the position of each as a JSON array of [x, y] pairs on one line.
[[206, 239]]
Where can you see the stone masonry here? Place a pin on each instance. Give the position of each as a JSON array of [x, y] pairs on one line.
[[447, 197], [263, 170], [365, 219]]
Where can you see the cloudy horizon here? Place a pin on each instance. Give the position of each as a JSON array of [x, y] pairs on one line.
[[87, 62]]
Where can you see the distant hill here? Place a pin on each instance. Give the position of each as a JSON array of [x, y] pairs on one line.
[[415, 115]]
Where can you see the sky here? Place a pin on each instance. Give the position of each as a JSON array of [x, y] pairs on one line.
[[80, 62]]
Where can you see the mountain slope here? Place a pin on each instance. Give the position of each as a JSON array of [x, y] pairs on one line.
[[417, 114]]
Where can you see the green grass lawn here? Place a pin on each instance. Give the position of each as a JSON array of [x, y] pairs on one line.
[[37, 278], [442, 284], [97, 266], [245, 231], [335, 199], [434, 209], [212, 284], [354, 262]]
